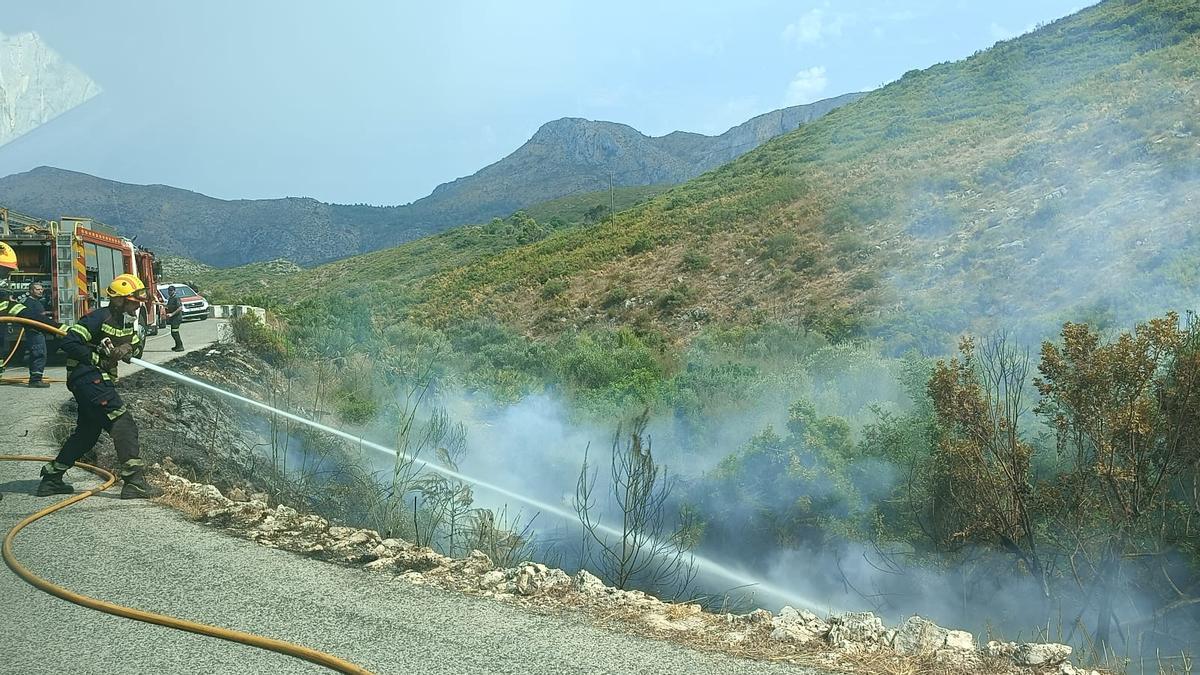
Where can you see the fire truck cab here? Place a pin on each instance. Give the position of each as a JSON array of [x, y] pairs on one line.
[[75, 259]]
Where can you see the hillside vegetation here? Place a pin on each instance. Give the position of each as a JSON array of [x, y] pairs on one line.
[[1049, 177], [1048, 174]]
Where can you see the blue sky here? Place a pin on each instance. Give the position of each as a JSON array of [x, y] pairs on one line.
[[379, 102]]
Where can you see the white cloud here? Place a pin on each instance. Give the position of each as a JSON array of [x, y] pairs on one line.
[[806, 86], [814, 27]]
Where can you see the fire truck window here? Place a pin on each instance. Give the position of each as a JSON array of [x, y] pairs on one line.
[[107, 270], [92, 263]]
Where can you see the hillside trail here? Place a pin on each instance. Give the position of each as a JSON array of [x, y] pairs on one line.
[[149, 557]]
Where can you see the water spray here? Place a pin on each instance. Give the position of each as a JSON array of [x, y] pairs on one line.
[[704, 564]]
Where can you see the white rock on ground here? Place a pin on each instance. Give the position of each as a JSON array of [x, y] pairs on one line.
[[798, 626], [848, 632], [1041, 654]]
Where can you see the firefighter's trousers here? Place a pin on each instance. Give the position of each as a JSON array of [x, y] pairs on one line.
[[100, 409], [35, 351], [175, 334]]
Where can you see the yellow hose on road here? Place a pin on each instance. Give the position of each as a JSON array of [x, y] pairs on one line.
[[279, 646]]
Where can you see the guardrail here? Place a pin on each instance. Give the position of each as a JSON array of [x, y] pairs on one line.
[[233, 311]]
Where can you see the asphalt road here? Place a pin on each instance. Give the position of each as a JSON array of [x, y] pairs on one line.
[[147, 556]]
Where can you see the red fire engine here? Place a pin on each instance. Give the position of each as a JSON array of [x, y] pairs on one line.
[[75, 259]]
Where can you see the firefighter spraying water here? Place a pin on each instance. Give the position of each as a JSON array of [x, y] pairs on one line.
[[94, 346]]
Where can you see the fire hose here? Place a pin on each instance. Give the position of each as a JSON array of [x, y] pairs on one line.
[[278, 646], [17, 345]]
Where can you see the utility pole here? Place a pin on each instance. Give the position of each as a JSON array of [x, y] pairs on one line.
[[612, 199]]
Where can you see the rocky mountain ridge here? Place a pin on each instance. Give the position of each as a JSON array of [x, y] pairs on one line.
[[564, 157]]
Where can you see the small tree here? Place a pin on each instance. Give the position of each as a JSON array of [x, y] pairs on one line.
[[983, 489], [650, 549], [1126, 413]]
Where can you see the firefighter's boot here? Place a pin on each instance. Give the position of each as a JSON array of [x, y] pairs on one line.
[[134, 476], [52, 481]]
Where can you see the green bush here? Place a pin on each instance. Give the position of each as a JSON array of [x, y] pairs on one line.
[[268, 343], [679, 295], [805, 261], [779, 247], [865, 281], [644, 242], [695, 260], [554, 288], [355, 408], [617, 295]]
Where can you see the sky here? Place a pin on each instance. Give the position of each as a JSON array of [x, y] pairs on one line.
[[379, 101]]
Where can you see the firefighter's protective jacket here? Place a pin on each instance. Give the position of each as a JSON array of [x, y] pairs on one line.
[[13, 308], [82, 344]]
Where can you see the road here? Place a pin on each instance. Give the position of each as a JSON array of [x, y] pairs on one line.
[[147, 556]]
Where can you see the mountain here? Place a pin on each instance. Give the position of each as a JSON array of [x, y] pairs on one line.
[[572, 155], [213, 231], [1051, 177], [565, 157], [36, 85]]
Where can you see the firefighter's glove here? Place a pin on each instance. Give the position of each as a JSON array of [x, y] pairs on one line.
[[121, 352]]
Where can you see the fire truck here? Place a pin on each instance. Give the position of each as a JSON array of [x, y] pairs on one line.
[[75, 259]]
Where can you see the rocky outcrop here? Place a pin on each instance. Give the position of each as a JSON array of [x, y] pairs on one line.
[[842, 640]]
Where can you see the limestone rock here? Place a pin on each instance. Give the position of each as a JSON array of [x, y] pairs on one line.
[[421, 559], [918, 635], [536, 578], [1041, 654], [381, 565], [492, 579], [854, 628], [960, 640], [798, 626], [996, 649], [588, 584]]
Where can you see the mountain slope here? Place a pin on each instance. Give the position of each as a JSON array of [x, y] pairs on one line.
[[1050, 177], [563, 158], [571, 155]]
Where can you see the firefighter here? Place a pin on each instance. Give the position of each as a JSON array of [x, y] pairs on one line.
[[11, 307], [35, 341], [94, 346], [175, 318]]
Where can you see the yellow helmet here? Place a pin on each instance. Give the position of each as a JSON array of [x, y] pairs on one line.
[[127, 286], [8, 257]]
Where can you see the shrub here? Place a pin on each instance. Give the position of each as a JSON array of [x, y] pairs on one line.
[[616, 295], [553, 288], [779, 246], [865, 281], [356, 408], [695, 260], [641, 244], [679, 295], [805, 260], [255, 335]]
